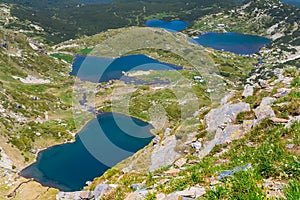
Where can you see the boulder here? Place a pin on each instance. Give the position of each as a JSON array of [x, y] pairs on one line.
[[190, 193], [81, 195], [264, 110], [224, 114], [160, 196], [179, 163], [248, 91], [193, 192], [101, 190], [282, 92], [196, 145], [163, 155], [172, 172], [227, 173], [279, 120]]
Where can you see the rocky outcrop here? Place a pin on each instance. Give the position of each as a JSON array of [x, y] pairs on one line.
[[99, 192], [224, 114], [164, 154], [5, 161], [248, 91], [264, 110]]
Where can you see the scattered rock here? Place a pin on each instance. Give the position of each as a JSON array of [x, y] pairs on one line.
[[191, 162], [179, 163], [137, 186], [279, 120], [138, 195], [190, 193], [224, 114], [290, 146], [263, 83], [172, 172], [102, 189], [227, 173], [264, 110], [196, 145], [163, 155], [81, 195], [282, 92], [193, 192], [156, 140], [274, 188], [248, 91], [160, 196], [227, 97]]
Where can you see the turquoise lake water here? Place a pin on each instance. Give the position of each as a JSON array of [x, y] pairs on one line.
[[174, 25], [293, 2], [233, 42], [99, 69], [101, 144]]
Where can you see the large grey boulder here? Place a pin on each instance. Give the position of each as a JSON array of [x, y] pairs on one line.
[[80, 195], [248, 91], [264, 110], [164, 154], [224, 114], [190, 193], [101, 190]]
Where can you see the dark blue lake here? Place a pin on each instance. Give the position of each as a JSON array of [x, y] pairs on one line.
[[175, 25], [293, 2], [101, 144], [233, 42], [99, 69]]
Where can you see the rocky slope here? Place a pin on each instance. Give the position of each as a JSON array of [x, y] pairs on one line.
[[249, 142], [254, 143]]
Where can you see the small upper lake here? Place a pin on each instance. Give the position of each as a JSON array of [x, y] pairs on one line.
[[175, 25], [233, 42], [101, 144], [293, 2], [99, 69]]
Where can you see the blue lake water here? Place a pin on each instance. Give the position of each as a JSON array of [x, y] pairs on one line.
[[99, 145], [99, 69], [175, 25], [233, 42], [293, 2]]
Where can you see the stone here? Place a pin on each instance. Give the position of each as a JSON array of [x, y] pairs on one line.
[[172, 172], [193, 192], [85, 195], [156, 140], [80, 195], [138, 195], [179, 163], [196, 145], [279, 120], [230, 133], [227, 97], [248, 91], [282, 92], [160, 196], [224, 114], [264, 110], [263, 83], [191, 162], [137, 186], [290, 146], [274, 189], [163, 155], [101, 190], [227, 173]]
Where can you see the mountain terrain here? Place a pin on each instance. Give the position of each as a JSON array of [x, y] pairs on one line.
[[243, 146]]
